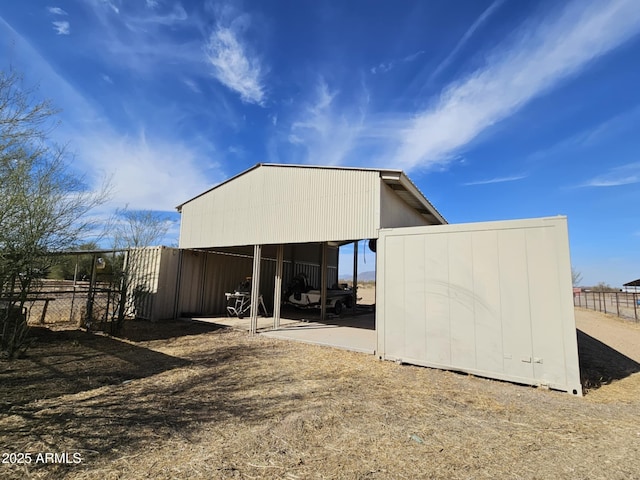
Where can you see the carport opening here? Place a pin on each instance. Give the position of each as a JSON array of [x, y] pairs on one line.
[[345, 307], [210, 275], [357, 263]]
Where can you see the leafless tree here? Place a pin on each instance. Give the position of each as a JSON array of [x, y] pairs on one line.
[[139, 228], [576, 277]]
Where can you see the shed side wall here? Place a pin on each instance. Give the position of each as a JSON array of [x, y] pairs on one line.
[[492, 299], [394, 212]]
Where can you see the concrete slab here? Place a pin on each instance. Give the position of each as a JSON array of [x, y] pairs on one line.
[[356, 333], [337, 336]]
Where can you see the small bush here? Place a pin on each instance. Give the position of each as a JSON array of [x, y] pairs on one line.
[[13, 332]]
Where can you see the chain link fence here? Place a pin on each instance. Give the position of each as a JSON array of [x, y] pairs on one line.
[[623, 304], [63, 301]]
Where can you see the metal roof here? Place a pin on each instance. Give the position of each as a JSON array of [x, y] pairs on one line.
[[634, 283]]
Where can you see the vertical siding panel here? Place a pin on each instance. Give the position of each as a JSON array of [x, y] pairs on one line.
[[498, 292], [273, 204]]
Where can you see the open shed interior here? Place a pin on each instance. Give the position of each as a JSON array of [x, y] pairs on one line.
[[206, 275]]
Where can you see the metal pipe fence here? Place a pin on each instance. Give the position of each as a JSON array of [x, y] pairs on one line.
[[65, 301], [622, 304]]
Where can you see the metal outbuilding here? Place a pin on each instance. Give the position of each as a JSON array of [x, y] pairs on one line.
[[493, 299], [288, 218]]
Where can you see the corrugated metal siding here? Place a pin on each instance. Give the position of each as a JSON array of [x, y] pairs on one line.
[[165, 302], [190, 291], [394, 212], [207, 276], [492, 299], [152, 281], [271, 205], [143, 267]]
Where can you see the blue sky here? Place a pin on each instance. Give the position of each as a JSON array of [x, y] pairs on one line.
[[496, 109]]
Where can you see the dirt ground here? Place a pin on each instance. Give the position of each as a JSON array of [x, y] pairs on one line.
[[187, 400]]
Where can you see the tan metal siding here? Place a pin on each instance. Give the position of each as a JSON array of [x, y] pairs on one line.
[[191, 283], [165, 302], [271, 205], [492, 299], [394, 212], [207, 276], [152, 282]]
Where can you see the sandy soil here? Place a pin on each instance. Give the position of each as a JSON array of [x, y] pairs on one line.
[[179, 400], [367, 294], [623, 335]]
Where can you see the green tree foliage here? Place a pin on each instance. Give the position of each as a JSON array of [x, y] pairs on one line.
[[43, 205], [69, 267]]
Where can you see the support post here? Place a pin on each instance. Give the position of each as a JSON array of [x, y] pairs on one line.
[[277, 287], [255, 288], [323, 283], [75, 286], [355, 273]]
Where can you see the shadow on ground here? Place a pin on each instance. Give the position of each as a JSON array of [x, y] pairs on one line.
[[213, 387], [600, 364], [145, 331], [361, 317], [71, 361]]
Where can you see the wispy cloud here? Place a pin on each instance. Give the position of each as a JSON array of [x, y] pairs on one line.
[[233, 64], [143, 167], [386, 66], [622, 175], [172, 171], [135, 38], [62, 28], [322, 133], [112, 6], [496, 180], [56, 11], [465, 38], [193, 86], [543, 57], [176, 15], [611, 128]]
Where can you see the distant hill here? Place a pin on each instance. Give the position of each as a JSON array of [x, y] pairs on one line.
[[362, 276]]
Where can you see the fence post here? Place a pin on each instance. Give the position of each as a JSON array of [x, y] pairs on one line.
[[635, 306], [617, 304], [92, 288], [604, 301]]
